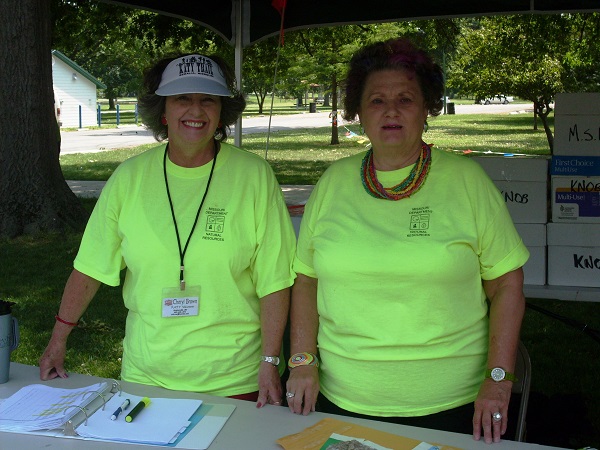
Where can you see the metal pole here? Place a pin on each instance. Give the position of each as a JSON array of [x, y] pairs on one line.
[[238, 11], [444, 69]]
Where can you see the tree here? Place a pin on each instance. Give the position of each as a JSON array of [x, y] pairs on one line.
[[115, 43], [530, 56], [321, 55], [321, 58], [33, 193], [261, 62]]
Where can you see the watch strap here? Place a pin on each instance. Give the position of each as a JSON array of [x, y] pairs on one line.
[[507, 375]]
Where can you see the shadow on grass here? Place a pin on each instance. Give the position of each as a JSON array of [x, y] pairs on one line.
[[35, 271], [299, 172]]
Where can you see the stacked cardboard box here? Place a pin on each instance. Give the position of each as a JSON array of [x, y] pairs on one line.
[[523, 182], [574, 233]]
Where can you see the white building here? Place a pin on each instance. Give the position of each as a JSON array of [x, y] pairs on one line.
[[76, 89]]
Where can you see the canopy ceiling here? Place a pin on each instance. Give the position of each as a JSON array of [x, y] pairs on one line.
[[259, 19], [244, 22]]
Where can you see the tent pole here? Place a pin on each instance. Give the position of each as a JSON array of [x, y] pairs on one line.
[[238, 11]]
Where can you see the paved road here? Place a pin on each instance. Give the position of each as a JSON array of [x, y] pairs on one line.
[[89, 141]]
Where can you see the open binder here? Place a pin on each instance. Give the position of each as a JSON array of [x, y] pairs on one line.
[[38, 407], [85, 413]]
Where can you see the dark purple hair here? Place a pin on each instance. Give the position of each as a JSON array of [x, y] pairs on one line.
[[396, 54]]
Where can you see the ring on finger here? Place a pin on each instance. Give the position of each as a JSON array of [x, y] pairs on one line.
[[289, 394], [497, 417]]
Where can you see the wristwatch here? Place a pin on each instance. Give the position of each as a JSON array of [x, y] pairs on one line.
[[270, 359], [499, 374]]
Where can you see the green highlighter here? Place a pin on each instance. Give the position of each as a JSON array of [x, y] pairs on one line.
[[137, 409]]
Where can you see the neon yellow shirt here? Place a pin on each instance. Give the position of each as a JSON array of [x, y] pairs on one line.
[[402, 313], [240, 251]]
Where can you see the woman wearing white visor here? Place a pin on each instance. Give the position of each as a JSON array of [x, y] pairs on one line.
[[203, 233]]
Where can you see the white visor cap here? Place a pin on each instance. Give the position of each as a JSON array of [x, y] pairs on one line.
[[193, 74]]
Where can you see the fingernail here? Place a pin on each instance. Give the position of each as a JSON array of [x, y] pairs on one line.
[[259, 405]]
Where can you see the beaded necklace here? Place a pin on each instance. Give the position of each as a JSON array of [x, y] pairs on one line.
[[411, 184]]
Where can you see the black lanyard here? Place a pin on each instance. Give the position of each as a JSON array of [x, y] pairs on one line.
[[182, 253]]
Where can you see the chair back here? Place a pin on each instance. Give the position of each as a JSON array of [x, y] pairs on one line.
[[522, 387]]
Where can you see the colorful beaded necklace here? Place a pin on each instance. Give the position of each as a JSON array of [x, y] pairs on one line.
[[411, 184]]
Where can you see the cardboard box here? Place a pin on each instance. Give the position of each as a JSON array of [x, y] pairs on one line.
[[573, 254], [577, 103], [577, 124], [523, 183], [527, 202], [534, 238], [296, 223], [577, 135], [514, 168], [575, 199], [588, 166]]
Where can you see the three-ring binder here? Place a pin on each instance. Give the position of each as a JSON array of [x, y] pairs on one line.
[[71, 424]]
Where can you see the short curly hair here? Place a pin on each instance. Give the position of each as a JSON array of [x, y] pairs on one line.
[[397, 53], [151, 107]]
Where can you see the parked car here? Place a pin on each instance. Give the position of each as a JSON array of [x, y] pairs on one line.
[[57, 104], [503, 99]]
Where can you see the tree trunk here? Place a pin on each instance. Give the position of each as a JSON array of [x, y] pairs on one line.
[[543, 111], [33, 193], [335, 139]]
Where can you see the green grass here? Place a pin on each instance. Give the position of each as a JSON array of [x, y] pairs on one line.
[[565, 403], [281, 106], [301, 156]]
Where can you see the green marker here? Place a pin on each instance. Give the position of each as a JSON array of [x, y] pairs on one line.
[[135, 411]]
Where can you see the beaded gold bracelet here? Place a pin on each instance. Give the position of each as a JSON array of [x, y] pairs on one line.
[[303, 359]]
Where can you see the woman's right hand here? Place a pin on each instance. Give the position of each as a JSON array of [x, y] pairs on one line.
[[52, 360], [303, 382]]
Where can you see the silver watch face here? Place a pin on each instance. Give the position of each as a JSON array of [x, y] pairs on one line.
[[498, 374]]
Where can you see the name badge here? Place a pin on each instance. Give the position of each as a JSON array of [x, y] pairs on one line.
[[183, 304]]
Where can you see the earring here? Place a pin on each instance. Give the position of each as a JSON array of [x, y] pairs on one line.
[[425, 126], [163, 120]]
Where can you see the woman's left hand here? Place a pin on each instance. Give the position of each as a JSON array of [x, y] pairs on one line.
[[269, 385], [493, 397]]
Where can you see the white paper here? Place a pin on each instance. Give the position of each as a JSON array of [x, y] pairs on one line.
[[40, 407], [159, 423]]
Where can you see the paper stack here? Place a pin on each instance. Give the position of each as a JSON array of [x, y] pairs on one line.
[[160, 423], [39, 407]]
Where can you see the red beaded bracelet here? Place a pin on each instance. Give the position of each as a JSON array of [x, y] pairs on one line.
[[71, 324]]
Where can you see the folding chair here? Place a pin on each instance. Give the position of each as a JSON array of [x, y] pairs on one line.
[[521, 387]]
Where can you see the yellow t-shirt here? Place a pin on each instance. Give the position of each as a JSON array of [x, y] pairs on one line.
[[402, 313], [240, 251]]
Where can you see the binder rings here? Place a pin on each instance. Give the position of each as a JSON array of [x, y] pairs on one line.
[[85, 413]]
